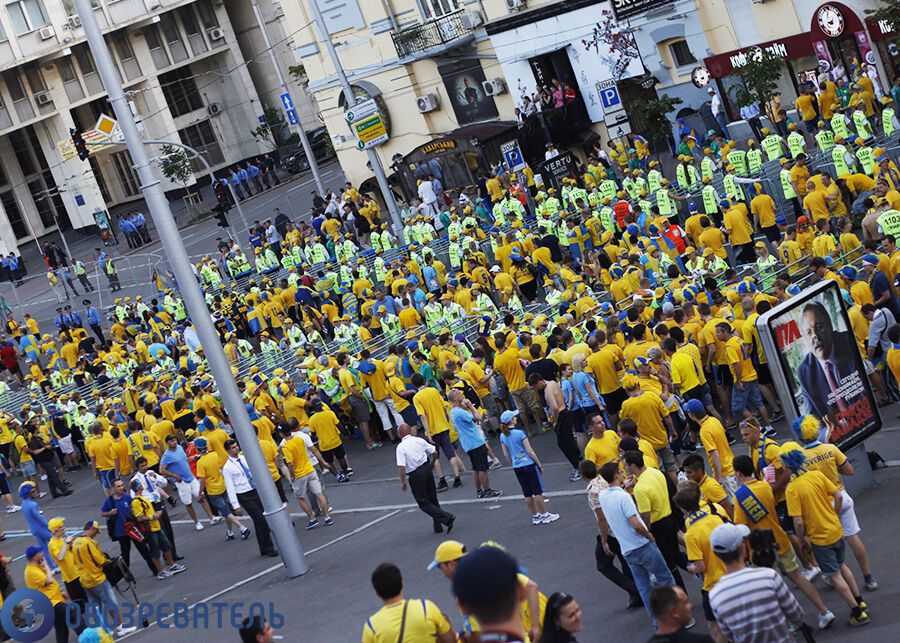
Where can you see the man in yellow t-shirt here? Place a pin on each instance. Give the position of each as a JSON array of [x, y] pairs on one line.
[[99, 591], [715, 443], [419, 619], [740, 233], [432, 410], [324, 424], [603, 446], [650, 414], [745, 394], [145, 444], [39, 577], [209, 472], [60, 549], [103, 457], [296, 449], [710, 490]]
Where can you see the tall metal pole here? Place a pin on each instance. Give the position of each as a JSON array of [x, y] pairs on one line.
[[374, 160], [280, 522], [307, 148]]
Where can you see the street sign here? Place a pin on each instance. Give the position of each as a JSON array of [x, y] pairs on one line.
[[106, 125], [361, 110], [621, 130], [609, 95], [370, 132], [512, 156], [96, 141], [615, 118], [286, 101], [292, 117]]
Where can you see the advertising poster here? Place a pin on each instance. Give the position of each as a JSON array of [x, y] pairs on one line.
[[819, 359], [463, 83]]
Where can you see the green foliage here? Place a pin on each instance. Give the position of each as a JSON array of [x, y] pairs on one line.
[[298, 72], [175, 164], [650, 117], [889, 10], [760, 76], [267, 132]]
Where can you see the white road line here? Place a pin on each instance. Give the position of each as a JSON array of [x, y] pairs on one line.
[[892, 463], [269, 570]]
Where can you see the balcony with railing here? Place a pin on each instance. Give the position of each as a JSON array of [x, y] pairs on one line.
[[433, 37]]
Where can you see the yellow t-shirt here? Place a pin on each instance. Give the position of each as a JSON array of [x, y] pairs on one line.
[[295, 407], [508, 365], [714, 239], [476, 373], [122, 452], [711, 490], [270, 452], [161, 429], [101, 449], [603, 365], [430, 405], [297, 456], [806, 106], [763, 207], [826, 458], [713, 438], [809, 496], [424, 622], [36, 578], [215, 441], [143, 444], [684, 371], [210, 468], [651, 494], [739, 353], [758, 512], [603, 450], [264, 427], [68, 564], [396, 387], [143, 508], [700, 526], [20, 443], [739, 229], [347, 380], [325, 425], [648, 411], [91, 559]]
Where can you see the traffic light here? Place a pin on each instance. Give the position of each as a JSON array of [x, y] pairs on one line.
[[221, 219], [80, 145], [224, 203]]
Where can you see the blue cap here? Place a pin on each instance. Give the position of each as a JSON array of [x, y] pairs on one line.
[[412, 345], [780, 219], [849, 272], [653, 230], [507, 416], [605, 307], [366, 367], [793, 289], [695, 407], [746, 287], [829, 261], [870, 258], [640, 360], [724, 203], [633, 230], [33, 551], [200, 443]]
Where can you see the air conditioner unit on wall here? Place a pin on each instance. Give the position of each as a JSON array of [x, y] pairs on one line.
[[494, 86], [515, 5], [427, 103], [213, 109], [216, 34], [47, 33], [74, 22], [43, 98], [277, 9], [470, 19]]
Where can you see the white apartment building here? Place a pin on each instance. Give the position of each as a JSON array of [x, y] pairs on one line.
[[184, 68]]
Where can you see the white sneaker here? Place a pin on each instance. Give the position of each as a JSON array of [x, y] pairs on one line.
[[215, 520], [13, 509], [198, 526], [810, 574], [43, 476], [42, 494], [495, 464], [548, 517], [164, 574], [122, 630], [537, 519], [825, 619]]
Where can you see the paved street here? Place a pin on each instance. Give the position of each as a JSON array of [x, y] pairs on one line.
[[35, 296], [375, 521]]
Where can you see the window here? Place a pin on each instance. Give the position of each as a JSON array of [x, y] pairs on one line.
[[128, 179], [123, 47], [85, 60], [207, 14], [3, 37], [202, 138], [681, 54], [438, 8], [189, 20], [180, 91], [35, 79], [26, 15], [170, 28], [16, 222], [151, 33]]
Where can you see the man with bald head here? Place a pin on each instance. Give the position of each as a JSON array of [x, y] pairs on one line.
[[415, 457]]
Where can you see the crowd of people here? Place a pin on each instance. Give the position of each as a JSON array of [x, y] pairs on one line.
[[589, 309]]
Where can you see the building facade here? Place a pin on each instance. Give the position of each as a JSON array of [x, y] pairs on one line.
[[186, 77]]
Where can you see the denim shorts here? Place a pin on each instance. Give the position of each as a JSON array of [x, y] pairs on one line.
[[749, 398], [830, 557], [220, 504], [28, 468]]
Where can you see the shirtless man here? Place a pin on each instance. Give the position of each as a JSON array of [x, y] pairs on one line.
[[561, 418]]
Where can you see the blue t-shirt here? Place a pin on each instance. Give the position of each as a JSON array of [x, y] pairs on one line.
[[618, 506], [515, 444], [470, 436], [176, 462], [123, 504]]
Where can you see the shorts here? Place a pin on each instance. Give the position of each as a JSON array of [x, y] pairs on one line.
[[666, 459], [4, 484], [723, 375], [220, 504], [772, 233], [65, 445], [784, 519], [188, 491], [749, 398], [530, 480], [479, 458], [701, 393], [708, 613], [788, 561], [360, 407], [410, 416], [330, 454], [107, 477], [614, 400], [848, 515], [158, 542], [730, 484], [443, 443], [489, 404], [309, 482], [28, 468], [526, 398], [763, 374], [829, 557]]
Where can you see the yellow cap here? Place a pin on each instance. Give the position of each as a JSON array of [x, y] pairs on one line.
[[55, 523], [447, 551]]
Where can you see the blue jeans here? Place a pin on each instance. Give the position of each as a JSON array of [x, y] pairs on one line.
[[644, 562], [102, 598]]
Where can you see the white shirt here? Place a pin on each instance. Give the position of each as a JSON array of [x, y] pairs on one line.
[[413, 452], [715, 105], [151, 481], [272, 235], [426, 192], [551, 154], [236, 480]]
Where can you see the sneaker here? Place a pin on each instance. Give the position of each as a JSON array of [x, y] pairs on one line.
[[177, 568], [312, 524], [493, 493], [768, 430], [810, 574], [826, 619], [164, 574], [548, 517], [349, 472], [215, 520], [198, 526], [871, 585], [329, 520], [371, 446], [43, 476], [343, 477], [122, 630], [858, 617], [480, 494], [42, 494], [245, 534], [495, 464], [457, 483], [537, 519], [229, 535], [442, 486], [13, 509], [575, 477]]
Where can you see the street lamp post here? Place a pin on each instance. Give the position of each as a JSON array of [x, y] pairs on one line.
[[277, 517]]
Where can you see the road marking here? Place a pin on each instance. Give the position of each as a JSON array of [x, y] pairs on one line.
[[268, 570], [892, 463]]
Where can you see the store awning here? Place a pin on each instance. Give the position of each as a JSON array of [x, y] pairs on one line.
[[880, 29], [790, 48], [483, 131]]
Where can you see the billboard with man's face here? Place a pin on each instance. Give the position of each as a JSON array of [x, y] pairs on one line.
[[810, 341]]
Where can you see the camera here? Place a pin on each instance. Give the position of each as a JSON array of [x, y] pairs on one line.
[[763, 549]]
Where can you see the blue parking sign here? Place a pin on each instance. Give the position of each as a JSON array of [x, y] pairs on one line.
[[609, 96], [512, 156]]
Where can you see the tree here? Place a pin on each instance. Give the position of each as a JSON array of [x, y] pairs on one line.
[[651, 118], [298, 71], [760, 75], [889, 11], [270, 128], [175, 165]]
